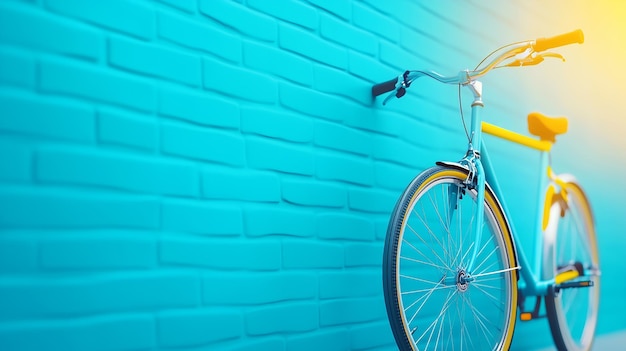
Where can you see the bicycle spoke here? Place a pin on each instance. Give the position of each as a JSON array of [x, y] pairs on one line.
[[419, 309], [495, 249], [426, 257], [426, 263], [419, 279], [496, 272], [424, 241], [446, 305], [431, 232], [481, 319], [423, 290], [497, 302]]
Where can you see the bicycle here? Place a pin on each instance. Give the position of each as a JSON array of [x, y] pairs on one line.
[[453, 275]]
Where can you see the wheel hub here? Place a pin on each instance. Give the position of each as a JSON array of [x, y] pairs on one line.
[[462, 282]]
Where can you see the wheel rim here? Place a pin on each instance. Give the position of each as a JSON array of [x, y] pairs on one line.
[[475, 307], [575, 242]]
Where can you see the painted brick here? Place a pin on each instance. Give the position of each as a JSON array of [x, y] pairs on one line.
[[279, 319], [248, 22], [339, 8], [312, 254], [117, 170], [364, 254], [274, 344], [54, 208], [195, 35], [90, 82], [310, 45], [201, 108], [308, 192], [399, 58], [278, 62], [242, 83], [290, 11], [185, 5], [276, 124], [88, 294], [347, 35], [369, 68], [202, 143], [18, 254], [351, 311], [197, 327], [260, 221], [99, 250], [362, 117], [30, 114], [120, 332], [394, 177], [138, 19], [327, 340], [351, 169], [383, 7], [366, 337], [429, 21], [201, 217], [17, 68], [371, 200], [124, 128], [339, 137], [222, 254], [414, 40], [153, 60], [279, 156], [235, 288], [381, 227], [395, 150], [243, 186], [375, 22], [26, 27], [350, 284], [315, 103], [344, 226], [17, 160], [398, 125], [341, 83]]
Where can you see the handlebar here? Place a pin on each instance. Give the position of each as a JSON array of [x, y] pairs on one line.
[[526, 53], [572, 37], [384, 87]]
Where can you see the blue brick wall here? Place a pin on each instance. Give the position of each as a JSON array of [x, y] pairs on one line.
[[212, 174]]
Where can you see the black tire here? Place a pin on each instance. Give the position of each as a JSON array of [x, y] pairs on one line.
[[486, 305]]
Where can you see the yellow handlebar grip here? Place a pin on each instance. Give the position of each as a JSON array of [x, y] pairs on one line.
[[572, 37]]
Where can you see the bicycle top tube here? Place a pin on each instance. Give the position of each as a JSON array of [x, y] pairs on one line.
[[525, 53]]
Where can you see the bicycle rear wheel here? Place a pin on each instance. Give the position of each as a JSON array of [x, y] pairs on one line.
[[572, 313], [433, 301]]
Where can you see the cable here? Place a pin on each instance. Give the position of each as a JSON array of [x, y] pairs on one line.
[[462, 117]]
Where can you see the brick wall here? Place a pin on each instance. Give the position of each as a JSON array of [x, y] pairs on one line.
[[207, 174]]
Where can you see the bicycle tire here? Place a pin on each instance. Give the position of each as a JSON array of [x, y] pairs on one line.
[[472, 306], [570, 237]]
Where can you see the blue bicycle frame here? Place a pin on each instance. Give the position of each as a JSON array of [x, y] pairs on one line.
[[481, 172], [480, 164]]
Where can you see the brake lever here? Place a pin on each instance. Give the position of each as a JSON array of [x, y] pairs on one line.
[[534, 59]]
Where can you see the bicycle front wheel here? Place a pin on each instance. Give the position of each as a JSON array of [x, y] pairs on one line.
[[434, 300], [571, 242]]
